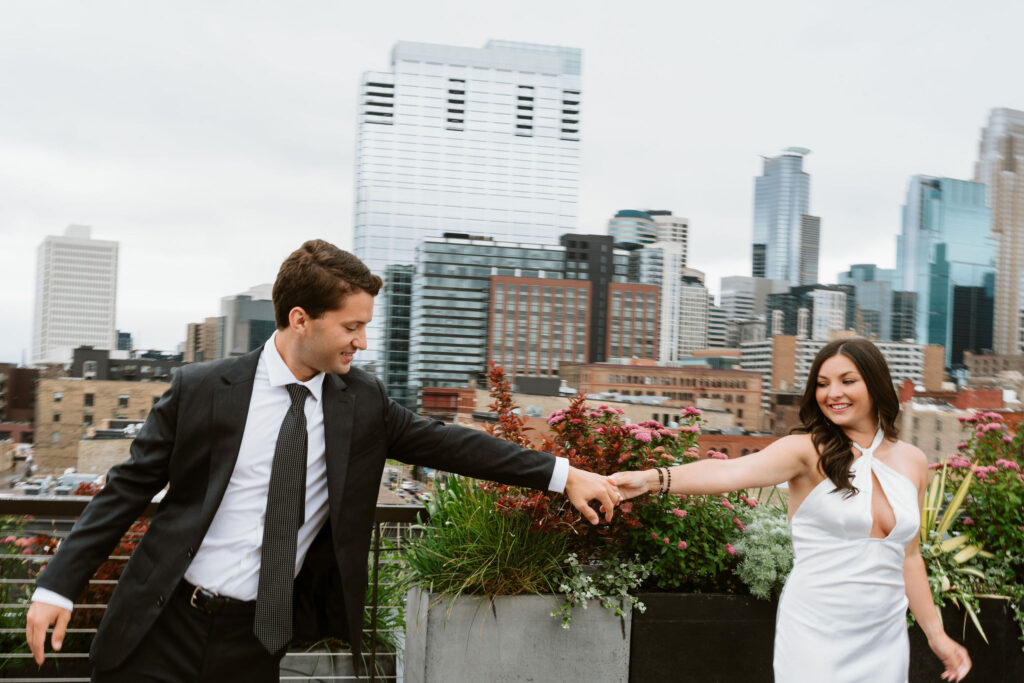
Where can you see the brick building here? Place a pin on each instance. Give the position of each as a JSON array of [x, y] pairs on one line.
[[739, 390], [66, 406]]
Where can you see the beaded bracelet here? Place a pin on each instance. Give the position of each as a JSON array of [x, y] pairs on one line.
[[661, 480], [668, 477]]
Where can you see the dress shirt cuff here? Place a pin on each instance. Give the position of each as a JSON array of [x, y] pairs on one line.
[[559, 475], [51, 598]]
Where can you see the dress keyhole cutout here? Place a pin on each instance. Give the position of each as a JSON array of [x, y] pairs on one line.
[[883, 519]]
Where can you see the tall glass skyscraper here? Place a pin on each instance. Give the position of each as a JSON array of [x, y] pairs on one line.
[[480, 141], [946, 243], [1000, 167], [786, 237]]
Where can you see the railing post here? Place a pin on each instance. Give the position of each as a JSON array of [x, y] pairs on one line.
[[373, 609]]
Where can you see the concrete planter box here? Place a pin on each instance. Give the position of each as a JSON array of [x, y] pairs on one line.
[[513, 640], [731, 638]]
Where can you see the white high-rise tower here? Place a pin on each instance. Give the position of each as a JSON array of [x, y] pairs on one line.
[[472, 141], [76, 295]]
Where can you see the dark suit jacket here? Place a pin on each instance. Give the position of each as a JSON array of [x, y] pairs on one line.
[[191, 440]]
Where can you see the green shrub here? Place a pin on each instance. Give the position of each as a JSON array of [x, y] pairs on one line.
[[470, 546]]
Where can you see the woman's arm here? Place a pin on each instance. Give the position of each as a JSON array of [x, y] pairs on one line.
[[783, 460], [919, 595]]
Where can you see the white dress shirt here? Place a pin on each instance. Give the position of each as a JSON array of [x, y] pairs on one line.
[[228, 560]]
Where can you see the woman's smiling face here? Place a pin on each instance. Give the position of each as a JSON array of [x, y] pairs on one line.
[[842, 394]]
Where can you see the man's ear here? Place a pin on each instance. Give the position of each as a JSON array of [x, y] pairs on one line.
[[298, 319]]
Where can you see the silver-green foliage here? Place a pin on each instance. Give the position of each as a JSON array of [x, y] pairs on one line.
[[608, 582], [766, 551]]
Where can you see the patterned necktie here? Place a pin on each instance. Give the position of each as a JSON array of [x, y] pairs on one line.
[[273, 625]]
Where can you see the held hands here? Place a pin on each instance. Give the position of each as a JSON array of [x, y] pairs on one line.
[[953, 655], [40, 617], [581, 487], [635, 483]]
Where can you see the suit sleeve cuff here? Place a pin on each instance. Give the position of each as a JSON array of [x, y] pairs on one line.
[[559, 475], [51, 598]]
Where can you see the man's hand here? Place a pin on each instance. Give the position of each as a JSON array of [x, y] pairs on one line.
[[40, 617], [582, 487], [634, 483]]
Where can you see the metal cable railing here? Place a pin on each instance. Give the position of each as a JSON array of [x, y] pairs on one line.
[[37, 520]]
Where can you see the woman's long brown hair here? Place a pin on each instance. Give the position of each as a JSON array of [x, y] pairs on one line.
[[832, 444]]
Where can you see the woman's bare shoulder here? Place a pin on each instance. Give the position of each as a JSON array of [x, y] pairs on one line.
[[909, 460]]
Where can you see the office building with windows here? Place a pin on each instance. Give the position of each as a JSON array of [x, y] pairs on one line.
[[450, 304], [946, 255], [786, 237], [76, 295], [536, 324], [746, 298], [596, 259], [882, 310], [480, 141], [657, 242], [248, 320], [812, 312], [1000, 167]]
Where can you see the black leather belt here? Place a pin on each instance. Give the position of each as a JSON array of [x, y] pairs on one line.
[[208, 602]]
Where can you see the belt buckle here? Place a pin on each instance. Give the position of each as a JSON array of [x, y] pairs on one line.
[[192, 600]]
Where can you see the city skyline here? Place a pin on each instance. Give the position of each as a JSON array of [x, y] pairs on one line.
[[209, 142]]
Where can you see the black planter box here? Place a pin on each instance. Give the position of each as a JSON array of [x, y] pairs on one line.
[[1000, 660], [705, 638], [709, 638]]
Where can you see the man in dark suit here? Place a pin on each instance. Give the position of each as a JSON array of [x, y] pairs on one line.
[[272, 462]]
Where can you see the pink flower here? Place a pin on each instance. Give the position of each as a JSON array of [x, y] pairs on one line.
[[729, 549], [968, 521], [962, 445], [979, 433], [727, 505], [626, 508], [666, 540], [739, 524], [678, 513], [1007, 439], [682, 544], [576, 421], [1007, 464], [654, 535], [9, 539]]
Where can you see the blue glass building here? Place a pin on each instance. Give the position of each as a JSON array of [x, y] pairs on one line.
[[946, 254]]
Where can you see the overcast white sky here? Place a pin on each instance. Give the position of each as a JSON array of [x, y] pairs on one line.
[[211, 138]]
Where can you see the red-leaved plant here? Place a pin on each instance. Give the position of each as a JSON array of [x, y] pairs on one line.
[[687, 539]]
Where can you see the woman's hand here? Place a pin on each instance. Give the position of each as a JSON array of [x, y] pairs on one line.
[[633, 484], [953, 655]]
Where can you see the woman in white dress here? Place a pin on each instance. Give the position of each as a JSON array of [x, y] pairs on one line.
[[855, 497]]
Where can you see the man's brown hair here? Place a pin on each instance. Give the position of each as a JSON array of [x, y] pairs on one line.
[[317, 277]]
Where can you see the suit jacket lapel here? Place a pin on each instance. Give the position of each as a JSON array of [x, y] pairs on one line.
[[338, 414], [229, 412]]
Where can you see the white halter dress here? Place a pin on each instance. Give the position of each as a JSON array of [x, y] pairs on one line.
[[842, 614]]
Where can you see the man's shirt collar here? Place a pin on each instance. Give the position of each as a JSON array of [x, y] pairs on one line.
[[280, 375]]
